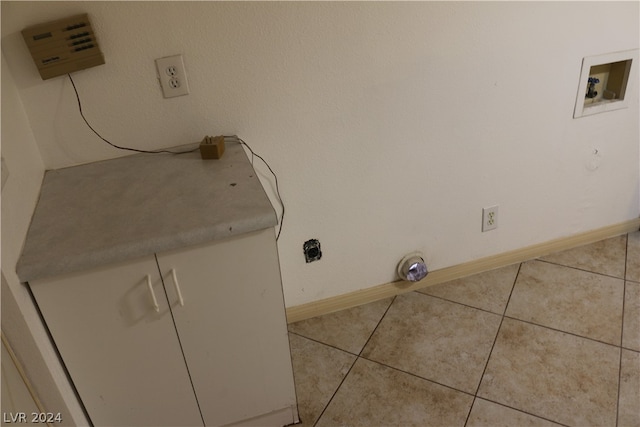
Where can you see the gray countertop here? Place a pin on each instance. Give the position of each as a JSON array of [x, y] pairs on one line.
[[115, 210]]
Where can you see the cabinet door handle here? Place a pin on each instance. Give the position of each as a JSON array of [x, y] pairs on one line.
[[177, 286], [153, 295]]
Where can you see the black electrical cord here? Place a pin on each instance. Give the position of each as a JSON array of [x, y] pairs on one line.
[[240, 140], [114, 145], [253, 153]]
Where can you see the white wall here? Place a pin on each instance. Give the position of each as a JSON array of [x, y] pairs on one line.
[[21, 323], [390, 125]]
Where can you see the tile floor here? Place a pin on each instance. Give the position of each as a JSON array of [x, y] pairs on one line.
[[548, 342]]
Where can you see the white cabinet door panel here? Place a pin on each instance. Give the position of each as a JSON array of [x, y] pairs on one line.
[[123, 356], [232, 326]]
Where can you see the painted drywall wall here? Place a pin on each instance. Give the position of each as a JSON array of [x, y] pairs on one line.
[[390, 125], [21, 323]]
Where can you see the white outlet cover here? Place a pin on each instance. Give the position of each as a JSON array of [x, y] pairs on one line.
[[172, 76], [490, 218]]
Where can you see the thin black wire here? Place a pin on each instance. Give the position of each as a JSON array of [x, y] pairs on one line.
[[253, 153], [240, 140], [112, 144]]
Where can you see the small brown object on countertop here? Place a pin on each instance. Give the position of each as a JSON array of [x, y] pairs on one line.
[[212, 147]]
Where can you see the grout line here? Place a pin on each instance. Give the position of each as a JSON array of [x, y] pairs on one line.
[[626, 257], [624, 297], [579, 269], [335, 392], [377, 325], [513, 286], [458, 303], [453, 389], [354, 361], [342, 349], [323, 343], [524, 412], [473, 403], [345, 376], [620, 364], [415, 375], [563, 332]]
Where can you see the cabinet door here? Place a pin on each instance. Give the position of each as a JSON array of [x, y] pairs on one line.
[[123, 356], [232, 327]]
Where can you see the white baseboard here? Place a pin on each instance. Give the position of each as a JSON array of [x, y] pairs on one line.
[[375, 293]]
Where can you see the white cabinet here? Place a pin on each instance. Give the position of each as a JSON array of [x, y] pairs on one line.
[[215, 351], [123, 357]]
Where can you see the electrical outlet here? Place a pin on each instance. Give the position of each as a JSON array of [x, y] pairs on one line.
[[489, 218], [172, 76]]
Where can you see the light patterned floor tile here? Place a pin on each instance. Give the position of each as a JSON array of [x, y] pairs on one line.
[[570, 300], [347, 329], [489, 414], [604, 257], [536, 375], [631, 331], [435, 339], [561, 377], [376, 395], [318, 371], [488, 291], [633, 257], [629, 409]]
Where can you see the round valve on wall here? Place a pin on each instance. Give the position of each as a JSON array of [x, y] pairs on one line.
[[412, 267]]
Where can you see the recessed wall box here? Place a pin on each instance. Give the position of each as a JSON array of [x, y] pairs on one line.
[[311, 249], [606, 82], [63, 46]]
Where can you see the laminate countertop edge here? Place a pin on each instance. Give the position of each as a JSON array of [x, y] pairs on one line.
[[121, 209]]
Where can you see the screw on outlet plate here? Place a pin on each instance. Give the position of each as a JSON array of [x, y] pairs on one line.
[[489, 218], [312, 250]]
